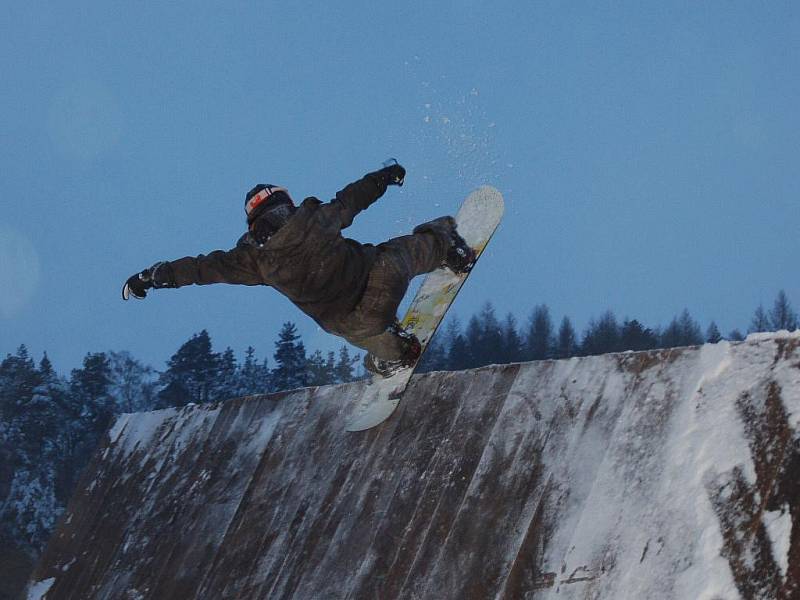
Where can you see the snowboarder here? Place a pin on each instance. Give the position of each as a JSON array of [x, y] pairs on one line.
[[350, 289]]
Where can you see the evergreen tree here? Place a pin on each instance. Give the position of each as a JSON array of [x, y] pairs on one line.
[[345, 366], [690, 329], [782, 315], [602, 336], [192, 374], [474, 338], [671, 337], [712, 333], [760, 321], [635, 336], [736, 336], [682, 331], [458, 355], [290, 358], [227, 385], [539, 340], [317, 371], [435, 357], [254, 378], [53, 392], [89, 412], [18, 378], [484, 339], [91, 389], [330, 367], [567, 343], [46, 370], [512, 347], [490, 349], [40, 419]]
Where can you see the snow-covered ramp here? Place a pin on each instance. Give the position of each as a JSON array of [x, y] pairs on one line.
[[666, 474]]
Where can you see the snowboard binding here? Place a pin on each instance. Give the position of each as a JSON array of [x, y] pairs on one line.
[[387, 368], [460, 256]]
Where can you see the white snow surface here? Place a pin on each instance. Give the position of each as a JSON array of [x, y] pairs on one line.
[[779, 528], [643, 489]]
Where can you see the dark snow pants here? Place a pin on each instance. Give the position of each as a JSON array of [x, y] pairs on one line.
[[399, 260]]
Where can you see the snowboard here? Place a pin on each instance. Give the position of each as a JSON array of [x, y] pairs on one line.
[[477, 220]]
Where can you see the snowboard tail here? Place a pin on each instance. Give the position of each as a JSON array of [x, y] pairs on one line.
[[477, 221]]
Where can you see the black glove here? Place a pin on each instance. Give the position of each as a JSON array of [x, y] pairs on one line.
[[394, 171], [137, 285], [160, 275]]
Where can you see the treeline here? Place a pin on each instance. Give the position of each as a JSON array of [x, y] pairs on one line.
[[50, 424], [489, 340], [197, 374]]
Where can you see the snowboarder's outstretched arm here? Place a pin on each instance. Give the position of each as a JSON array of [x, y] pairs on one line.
[[362, 193], [235, 266]]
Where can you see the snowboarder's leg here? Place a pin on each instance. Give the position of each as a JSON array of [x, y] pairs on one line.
[[399, 260], [458, 256], [422, 251], [372, 326]]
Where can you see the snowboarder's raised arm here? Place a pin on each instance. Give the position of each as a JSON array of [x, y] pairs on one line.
[[235, 266], [360, 194]]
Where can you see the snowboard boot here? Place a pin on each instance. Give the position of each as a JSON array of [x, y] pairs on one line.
[[460, 256], [387, 368]]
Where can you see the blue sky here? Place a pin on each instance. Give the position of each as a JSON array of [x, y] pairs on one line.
[[648, 153]]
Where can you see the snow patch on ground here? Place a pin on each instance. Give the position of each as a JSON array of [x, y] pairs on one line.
[[38, 590], [66, 566], [771, 335], [706, 439], [637, 496], [131, 430], [779, 529]]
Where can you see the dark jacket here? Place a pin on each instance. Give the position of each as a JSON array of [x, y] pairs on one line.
[[307, 260]]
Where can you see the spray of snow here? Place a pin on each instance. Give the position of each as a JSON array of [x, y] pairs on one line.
[[454, 141]]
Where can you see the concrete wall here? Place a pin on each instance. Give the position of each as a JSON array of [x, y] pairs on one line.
[[669, 474]]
